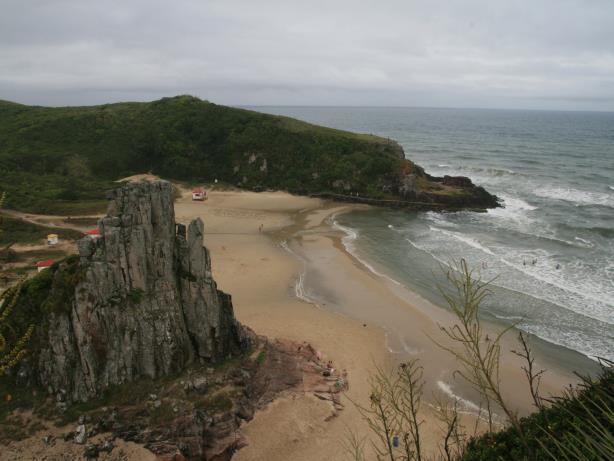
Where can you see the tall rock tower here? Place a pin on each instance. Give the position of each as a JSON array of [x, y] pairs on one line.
[[144, 302]]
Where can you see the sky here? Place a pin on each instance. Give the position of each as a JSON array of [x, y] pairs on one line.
[[523, 54]]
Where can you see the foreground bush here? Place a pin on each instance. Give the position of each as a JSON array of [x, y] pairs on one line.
[[578, 426]]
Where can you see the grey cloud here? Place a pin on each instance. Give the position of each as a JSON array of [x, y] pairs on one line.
[[534, 54]]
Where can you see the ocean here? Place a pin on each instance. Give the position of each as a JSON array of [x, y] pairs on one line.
[[549, 252]]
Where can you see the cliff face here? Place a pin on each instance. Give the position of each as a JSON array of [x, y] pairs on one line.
[[144, 305]]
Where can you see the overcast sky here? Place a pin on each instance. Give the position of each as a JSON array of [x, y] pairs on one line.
[[550, 54]]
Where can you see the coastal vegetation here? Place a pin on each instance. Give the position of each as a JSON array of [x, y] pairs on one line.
[[13, 341], [18, 231], [61, 160], [578, 426]]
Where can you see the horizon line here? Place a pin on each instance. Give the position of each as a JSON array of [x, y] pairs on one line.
[[350, 106], [324, 106]]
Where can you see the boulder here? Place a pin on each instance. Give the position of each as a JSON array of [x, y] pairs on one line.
[[80, 434]]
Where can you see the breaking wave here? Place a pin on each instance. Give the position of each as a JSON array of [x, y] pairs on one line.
[[576, 196], [348, 243]]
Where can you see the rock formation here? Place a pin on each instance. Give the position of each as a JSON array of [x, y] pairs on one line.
[[138, 309], [144, 302]]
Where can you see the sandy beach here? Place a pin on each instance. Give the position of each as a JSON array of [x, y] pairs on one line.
[[293, 279], [261, 276]]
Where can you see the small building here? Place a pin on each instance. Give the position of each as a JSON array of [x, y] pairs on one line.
[[93, 233], [45, 264], [52, 239], [199, 194]]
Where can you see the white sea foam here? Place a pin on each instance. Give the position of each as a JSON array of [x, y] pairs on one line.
[[568, 339], [575, 196], [584, 242], [513, 318], [499, 171], [579, 242], [348, 243], [570, 287], [388, 346], [426, 250], [575, 287], [513, 207], [406, 349], [439, 219], [463, 238], [584, 298], [299, 284], [466, 404]]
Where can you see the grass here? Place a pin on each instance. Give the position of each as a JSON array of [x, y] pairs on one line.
[[299, 126], [261, 357], [162, 414], [135, 395], [62, 160], [34, 255], [19, 231], [81, 221], [122, 395], [76, 208], [136, 295], [216, 403], [15, 428]]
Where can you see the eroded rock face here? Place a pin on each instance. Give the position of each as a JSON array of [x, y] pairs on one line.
[[145, 304]]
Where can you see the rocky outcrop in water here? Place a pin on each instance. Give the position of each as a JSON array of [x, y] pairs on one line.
[[144, 303], [414, 188]]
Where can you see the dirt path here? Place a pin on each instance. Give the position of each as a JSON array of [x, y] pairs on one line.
[[54, 221]]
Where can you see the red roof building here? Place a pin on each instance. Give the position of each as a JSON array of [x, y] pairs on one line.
[[93, 233], [199, 193], [45, 264]]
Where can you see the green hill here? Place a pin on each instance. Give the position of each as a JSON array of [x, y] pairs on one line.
[[61, 160]]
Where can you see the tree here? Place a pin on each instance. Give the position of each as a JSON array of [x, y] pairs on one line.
[[392, 415], [11, 354], [477, 353]]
